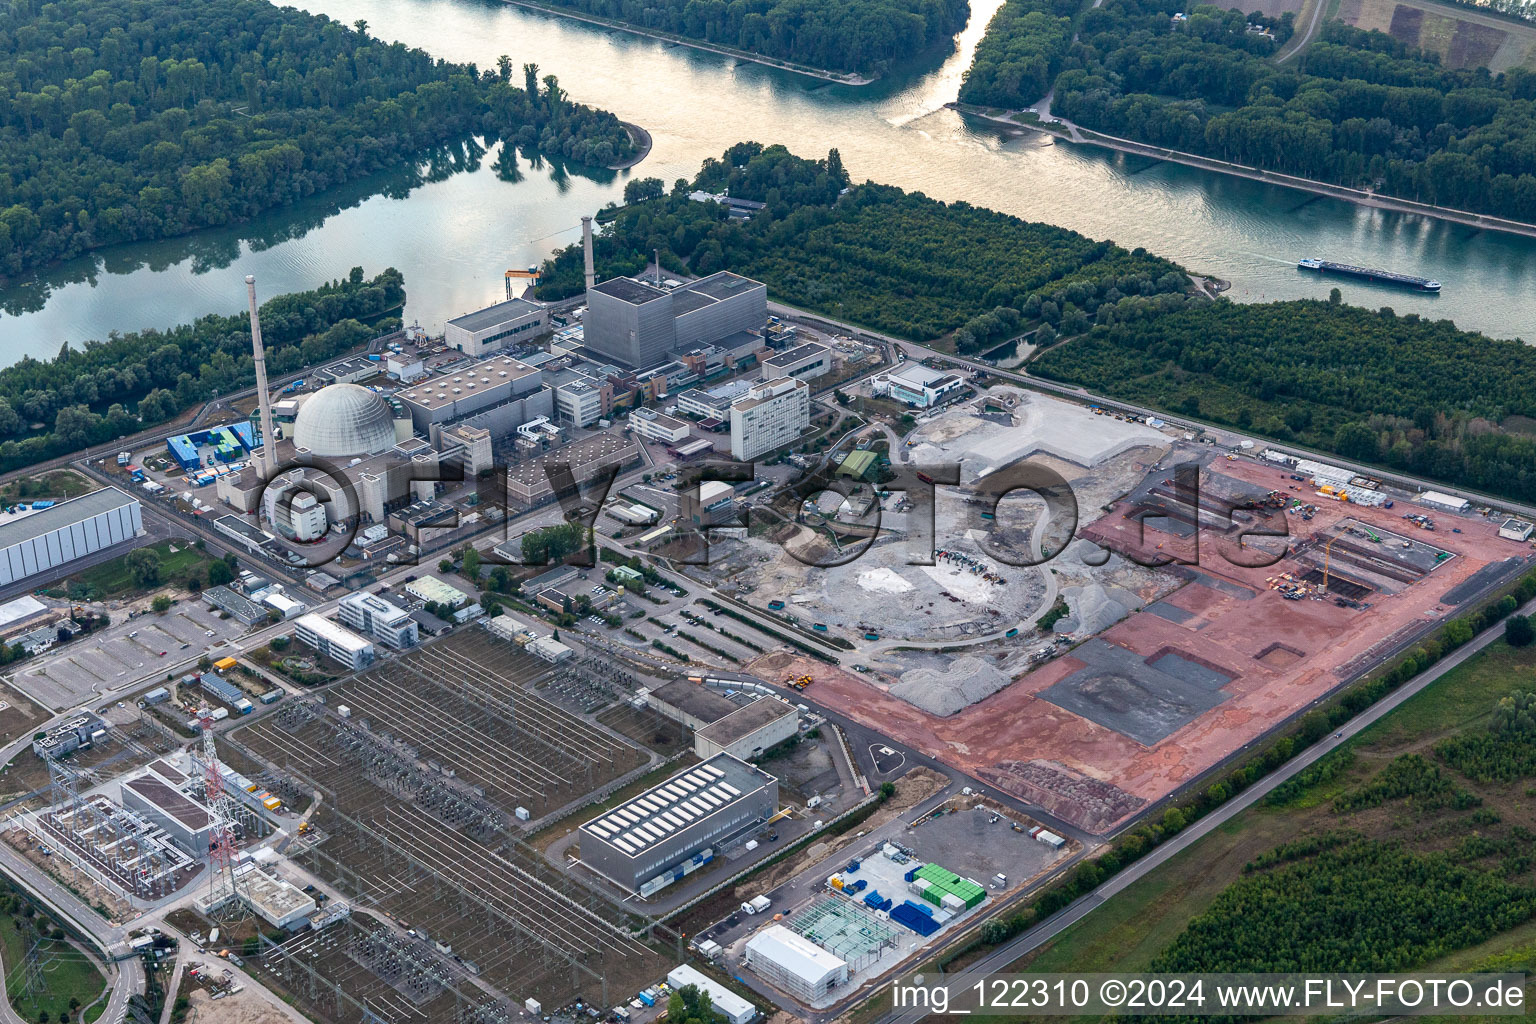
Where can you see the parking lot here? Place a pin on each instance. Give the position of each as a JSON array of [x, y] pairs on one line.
[[139, 649]]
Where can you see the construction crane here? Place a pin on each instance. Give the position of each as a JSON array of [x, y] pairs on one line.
[[1327, 553], [532, 274]]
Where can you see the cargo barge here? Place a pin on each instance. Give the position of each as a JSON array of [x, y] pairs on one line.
[[1422, 284]]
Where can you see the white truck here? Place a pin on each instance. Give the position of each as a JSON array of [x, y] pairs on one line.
[[757, 905]]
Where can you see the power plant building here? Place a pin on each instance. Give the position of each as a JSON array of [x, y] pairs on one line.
[[72, 529], [499, 394], [638, 324], [494, 328], [706, 807]]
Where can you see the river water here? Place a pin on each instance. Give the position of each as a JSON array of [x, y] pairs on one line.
[[453, 234]]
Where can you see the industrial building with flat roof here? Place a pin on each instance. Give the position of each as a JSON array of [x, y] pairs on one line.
[[658, 426], [708, 806], [722, 1000], [509, 323], [499, 394], [638, 325], [335, 642], [529, 484], [57, 535], [747, 732], [794, 964], [186, 821], [692, 704], [807, 361]]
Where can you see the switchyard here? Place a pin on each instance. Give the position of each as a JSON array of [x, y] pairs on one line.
[[423, 771]]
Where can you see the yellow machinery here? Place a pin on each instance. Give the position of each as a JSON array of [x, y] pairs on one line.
[[532, 275], [799, 682]]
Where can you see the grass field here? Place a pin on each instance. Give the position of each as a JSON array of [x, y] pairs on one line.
[[59, 485], [66, 972], [112, 579], [1461, 36], [1128, 932]]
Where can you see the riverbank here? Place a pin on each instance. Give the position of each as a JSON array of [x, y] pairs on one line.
[[1067, 131], [840, 77], [642, 141]]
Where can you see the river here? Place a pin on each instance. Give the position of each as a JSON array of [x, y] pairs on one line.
[[453, 234]]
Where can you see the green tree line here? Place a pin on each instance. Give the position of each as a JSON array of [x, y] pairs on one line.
[[106, 389], [1359, 108], [891, 260], [838, 35], [1418, 395], [126, 120]]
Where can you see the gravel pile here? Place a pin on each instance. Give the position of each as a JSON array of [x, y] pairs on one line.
[[953, 688], [1094, 608]]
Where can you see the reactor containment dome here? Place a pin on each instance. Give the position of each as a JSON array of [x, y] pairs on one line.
[[344, 419]]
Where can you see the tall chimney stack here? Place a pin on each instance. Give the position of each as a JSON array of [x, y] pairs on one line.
[[586, 246], [267, 467]]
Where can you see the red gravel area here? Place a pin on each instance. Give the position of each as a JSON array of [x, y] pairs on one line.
[[1094, 777]]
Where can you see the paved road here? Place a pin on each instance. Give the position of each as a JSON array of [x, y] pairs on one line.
[[1001, 958]]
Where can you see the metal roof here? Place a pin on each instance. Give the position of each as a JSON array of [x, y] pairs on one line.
[[65, 513], [492, 316], [684, 800]]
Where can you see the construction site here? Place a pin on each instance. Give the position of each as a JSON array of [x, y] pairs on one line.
[[1273, 593], [427, 776], [982, 588]]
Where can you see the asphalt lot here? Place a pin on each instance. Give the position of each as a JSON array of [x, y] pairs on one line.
[[128, 651]]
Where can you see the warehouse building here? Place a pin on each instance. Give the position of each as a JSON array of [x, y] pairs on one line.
[[431, 590], [771, 415], [335, 642], [746, 732], [638, 325], [794, 964], [1449, 502], [706, 807], [79, 733], [735, 1009], [806, 362], [376, 617], [72, 529], [504, 325]]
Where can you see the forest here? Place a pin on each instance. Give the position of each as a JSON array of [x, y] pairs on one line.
[[1347, 904], [1021, 53], [128, 120], [107, 389], [1416, 395], [1505, 750], [887, 259], [1359, 108], [866, 36]]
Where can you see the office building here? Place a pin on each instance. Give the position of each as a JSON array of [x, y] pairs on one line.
[[659, 427], [771, 416], [579, 402], [707, 807], [504, 325], [916, 385], [806, 362], [41, 540], [712, 403], [638, 324], [335, 642], [373, 616]]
